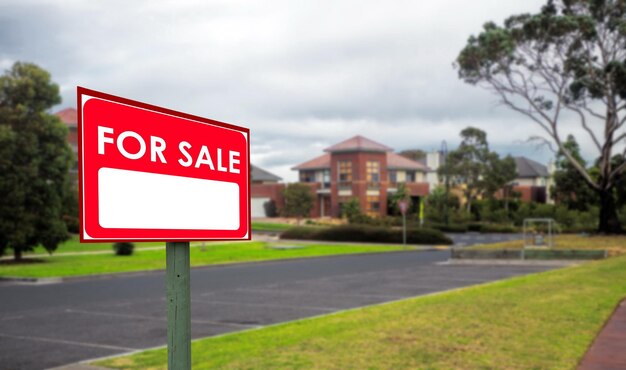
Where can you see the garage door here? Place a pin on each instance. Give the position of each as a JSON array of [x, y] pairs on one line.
[[257, 205]]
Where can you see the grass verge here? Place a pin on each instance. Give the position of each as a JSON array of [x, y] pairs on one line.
[[270, 226], [541, 321], [75, 265], [73, 244], [616, 245]]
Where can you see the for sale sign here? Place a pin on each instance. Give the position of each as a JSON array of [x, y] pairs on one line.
[[150, 173]]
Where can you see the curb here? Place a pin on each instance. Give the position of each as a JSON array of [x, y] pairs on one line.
[[79, 366], [32, 280], [510, 262]]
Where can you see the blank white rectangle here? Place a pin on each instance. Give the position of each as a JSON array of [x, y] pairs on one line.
[[142, 200]]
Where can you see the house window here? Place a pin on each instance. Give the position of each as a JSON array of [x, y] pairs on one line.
[[373, 205], [410, 176], [393, 177], [373, 174], [345, 174], [307, 176], [326, 179]]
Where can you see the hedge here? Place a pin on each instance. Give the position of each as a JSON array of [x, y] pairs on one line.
[[452, 227], [368, 234], [485, 227]]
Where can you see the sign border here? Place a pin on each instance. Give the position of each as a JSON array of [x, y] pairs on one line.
[[80, 91]]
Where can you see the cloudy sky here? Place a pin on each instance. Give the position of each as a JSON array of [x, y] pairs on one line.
[[301, 75]]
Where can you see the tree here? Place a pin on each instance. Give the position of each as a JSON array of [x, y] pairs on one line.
[[298, 201], [352, 211], [498, 176], [620, 185], [439, 202], [567, 62], [34, 161], [402, 193], [466, 165], [478, 171], [570, 188], [413, 154]]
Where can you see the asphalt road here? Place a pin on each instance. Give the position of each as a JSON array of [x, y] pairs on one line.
[[43, 326]]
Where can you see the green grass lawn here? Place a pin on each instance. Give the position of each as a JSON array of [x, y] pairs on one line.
[[74, 245], [269, 226], [616, 245], [541, 321], [59, 266]]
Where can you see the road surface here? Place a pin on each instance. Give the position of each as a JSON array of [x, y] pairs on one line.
[[43, 326]]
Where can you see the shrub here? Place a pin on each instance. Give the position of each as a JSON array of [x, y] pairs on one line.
[[450, 228], [71, 222], [298, 201], [364, 233], [485, 227], [270, 208], [352, 211], [123, 249]]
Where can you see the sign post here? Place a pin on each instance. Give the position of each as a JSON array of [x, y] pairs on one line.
[[403, 204], [178, 306], [148, 173]]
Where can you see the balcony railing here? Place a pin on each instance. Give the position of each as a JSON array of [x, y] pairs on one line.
[[373, 185]]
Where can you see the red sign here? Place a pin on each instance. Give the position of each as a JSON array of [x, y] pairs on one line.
[[150, 173], [403, 205]]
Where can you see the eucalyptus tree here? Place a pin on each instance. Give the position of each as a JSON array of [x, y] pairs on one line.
[[565, 63]]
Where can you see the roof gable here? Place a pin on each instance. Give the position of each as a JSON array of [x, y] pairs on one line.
[[527, 168], [318, 163], [358, 144], [398, 162], [259, 174], [69, 116]]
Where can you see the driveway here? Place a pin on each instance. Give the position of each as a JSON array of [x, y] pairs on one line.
[[43, 326]]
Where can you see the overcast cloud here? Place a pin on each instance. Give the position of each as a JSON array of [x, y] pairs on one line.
[[301, 75]]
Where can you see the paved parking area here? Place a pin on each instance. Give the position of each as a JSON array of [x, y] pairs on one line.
[[43, 326]]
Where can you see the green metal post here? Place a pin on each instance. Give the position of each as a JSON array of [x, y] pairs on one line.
[[178, 306]]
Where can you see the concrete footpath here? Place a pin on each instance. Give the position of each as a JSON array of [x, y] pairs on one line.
[[608, 351]]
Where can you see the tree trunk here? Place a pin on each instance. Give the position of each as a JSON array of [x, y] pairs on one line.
[[609, 223], [17, 253]]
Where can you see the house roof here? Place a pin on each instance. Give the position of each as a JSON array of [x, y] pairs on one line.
[[319, 163], [358, 144], [394, 161], [527, 168], [259, 174], [69, 116]]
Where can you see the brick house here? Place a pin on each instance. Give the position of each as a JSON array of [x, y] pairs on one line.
[[264, 189], [69, 116], [533, 180], [363, 169]]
